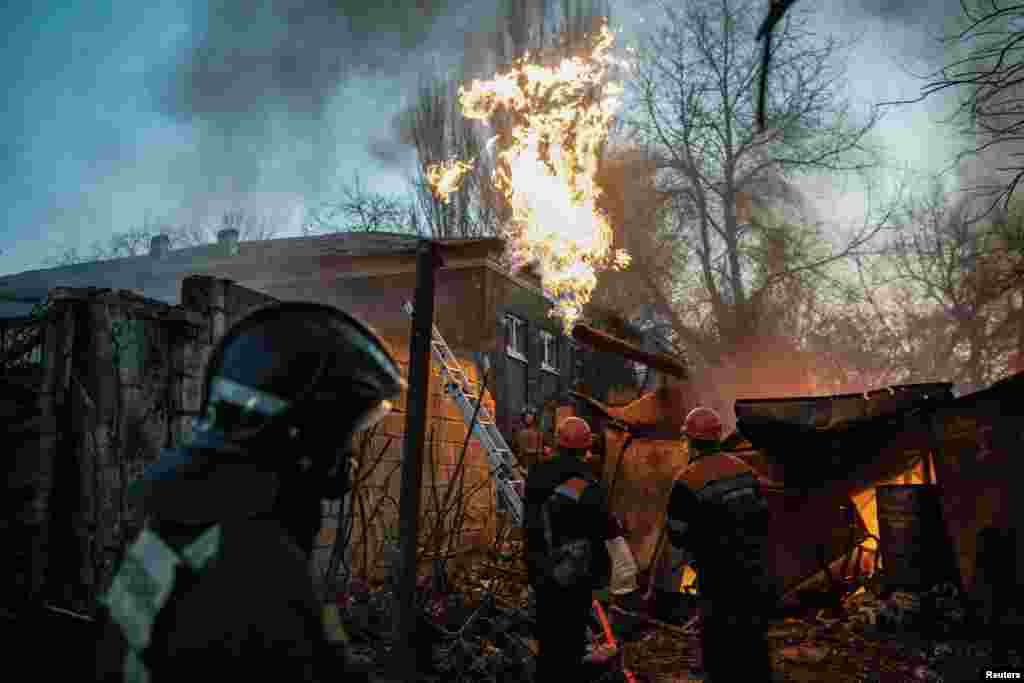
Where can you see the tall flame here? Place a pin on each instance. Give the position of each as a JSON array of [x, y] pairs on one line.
[[547, 164]]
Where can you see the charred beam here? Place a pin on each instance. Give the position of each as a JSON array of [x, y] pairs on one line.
[[601, 341]]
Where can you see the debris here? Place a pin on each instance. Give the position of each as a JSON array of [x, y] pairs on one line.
[[481, 629], [805, 653]]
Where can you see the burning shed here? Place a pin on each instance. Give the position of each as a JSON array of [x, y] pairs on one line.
[[821, 458]]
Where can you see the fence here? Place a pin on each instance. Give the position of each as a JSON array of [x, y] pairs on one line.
[[115, 379], [103, 381]]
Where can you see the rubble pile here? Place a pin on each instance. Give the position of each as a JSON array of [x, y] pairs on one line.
[[480, 628], [918, 637], [477, 629]]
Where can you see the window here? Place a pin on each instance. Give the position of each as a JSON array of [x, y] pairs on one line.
[[549, 352], [515, 337]]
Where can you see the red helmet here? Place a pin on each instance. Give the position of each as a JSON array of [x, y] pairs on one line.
[[574, 432], [704, 424]]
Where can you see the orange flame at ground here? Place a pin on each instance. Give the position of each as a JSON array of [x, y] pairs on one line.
[[547, 164]]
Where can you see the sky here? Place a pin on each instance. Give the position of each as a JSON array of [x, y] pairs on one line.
[[173, 110]]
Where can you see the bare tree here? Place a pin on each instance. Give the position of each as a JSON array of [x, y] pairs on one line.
[[136, 241], [359, 209], [67, 256], [251, 227], [435, 127], [132, 242], [963, 277], [986, 69], [747, 257]]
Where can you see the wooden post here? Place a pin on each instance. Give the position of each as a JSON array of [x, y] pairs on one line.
[[412, 452]]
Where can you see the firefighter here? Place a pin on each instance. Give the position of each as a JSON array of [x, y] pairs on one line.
[[567, 524], [718, 519], [529, 441], [218, 585]]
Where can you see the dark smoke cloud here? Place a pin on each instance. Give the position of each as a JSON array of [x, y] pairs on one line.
[[270, 89], [912, 13], [252, 56], [912, 27]]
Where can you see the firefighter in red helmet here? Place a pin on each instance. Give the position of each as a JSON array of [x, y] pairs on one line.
[[566, 529], [718, 517], [528, 444]]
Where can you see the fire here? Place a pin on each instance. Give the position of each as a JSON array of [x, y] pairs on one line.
[[445, 177], [547, 164]]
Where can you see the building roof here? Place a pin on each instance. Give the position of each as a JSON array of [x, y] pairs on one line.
[[160, 278]]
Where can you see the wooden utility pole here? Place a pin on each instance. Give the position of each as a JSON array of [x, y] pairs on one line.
[[412, 458]]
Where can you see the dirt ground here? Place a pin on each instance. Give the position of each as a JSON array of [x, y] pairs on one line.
[[854, 645], [863, 643], [869, 638]]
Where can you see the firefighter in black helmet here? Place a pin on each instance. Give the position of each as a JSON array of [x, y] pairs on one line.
[[218, 584]]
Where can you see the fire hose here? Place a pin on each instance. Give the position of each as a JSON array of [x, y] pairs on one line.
[[609, 637]]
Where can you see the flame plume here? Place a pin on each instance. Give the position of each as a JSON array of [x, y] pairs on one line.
[[446, 177], [547, 164]]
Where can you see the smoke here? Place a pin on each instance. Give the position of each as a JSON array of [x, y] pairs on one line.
[[292, 55], [911, 29], [178, 108], [271, 90], [915, 30]]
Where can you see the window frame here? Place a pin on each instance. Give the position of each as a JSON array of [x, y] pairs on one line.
[[515, 330], [548, 342]]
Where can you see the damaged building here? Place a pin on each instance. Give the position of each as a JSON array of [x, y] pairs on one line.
[[103, 362]]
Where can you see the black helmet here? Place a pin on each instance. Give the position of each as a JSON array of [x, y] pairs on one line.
[[529, 410], [297, 372]]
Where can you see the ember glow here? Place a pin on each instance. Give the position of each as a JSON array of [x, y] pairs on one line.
[[547, 163]]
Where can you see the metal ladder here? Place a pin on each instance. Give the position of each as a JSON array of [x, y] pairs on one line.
[[460, 388]]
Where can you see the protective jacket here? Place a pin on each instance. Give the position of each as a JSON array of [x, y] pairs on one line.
[[587, 519], [563, 612], [245, 608], [718, 515]]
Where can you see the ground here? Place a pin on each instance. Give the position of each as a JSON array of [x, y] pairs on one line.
[[868, 640]]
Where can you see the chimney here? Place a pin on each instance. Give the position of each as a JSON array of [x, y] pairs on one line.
[[159, 245], [228, 239]]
